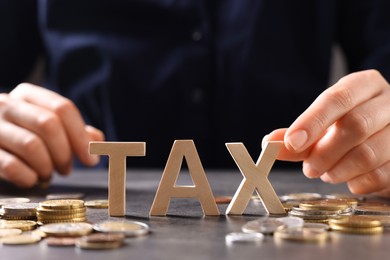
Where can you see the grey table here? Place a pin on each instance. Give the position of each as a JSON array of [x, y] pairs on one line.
[[185, 233]]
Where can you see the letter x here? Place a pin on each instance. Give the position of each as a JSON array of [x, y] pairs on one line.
[[255, 178]]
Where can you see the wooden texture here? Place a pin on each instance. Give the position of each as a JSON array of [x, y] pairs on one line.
[[255, 178], [167, 188], [117, 152]]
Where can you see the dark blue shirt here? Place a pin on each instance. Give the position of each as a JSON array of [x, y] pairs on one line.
[[213, 71]]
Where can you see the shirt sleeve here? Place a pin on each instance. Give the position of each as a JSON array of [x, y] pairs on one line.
[[20, 42], [364, 34]]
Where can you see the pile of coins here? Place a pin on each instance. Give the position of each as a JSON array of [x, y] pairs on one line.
[[61, 211], [19, 211], [62, 222], [311, 216], [356, 224]]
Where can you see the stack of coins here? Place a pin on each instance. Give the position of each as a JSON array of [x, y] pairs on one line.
[[61, 211], [320, 211], [356, 225], [19, 211]]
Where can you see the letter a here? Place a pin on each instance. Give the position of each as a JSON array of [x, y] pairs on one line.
[[255, 178], [168, 189]]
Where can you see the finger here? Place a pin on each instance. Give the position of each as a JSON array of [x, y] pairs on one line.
[[362, 159], [95, 135], [68, 113], [284, 154], [28, 147], [383, 193], [331, 105], [377, 180], [45, 124], [351, 130], [15, 171]]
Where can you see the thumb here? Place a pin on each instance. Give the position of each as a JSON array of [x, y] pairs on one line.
[[284, 154], [94, 135]]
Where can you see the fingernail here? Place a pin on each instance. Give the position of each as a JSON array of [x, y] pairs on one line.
[[297, 139], [94, 159], [309, 171], [325, 178], [265, 139]]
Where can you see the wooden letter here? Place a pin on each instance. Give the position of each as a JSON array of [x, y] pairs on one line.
[[117, 152], [255, 178], [168, 189]]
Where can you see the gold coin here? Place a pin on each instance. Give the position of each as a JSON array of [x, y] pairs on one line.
[[10, 232], [57, 216], [355, 221], [355, 230], [100, 241], [301, 234], [128, 228], [304, 196], [62, 204], [21, 239], [60, 211], [67, 229], [73, 220], [24, 225], [97, 204], [326, 204]]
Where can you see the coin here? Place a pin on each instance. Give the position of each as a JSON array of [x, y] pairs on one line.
[[5, 201], [60, 241], [262, 225], [10, 232], [24, 225], [43, 211], [241, 237], [223, 199], [62, 204], [303, 234], [300, 196], [100, 241], [97, 204], [292, 221], [128, 228], [372, 210], [67, 229], [354, 230], [62, 196], [21, 239], [355, 221], [325, 204]]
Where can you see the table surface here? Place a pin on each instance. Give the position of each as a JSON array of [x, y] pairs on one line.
[[185, 233]]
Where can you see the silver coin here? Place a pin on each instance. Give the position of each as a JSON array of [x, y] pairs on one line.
[[292, 222], [262, 225], [239, 237], [128, 228], [5, 201]]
